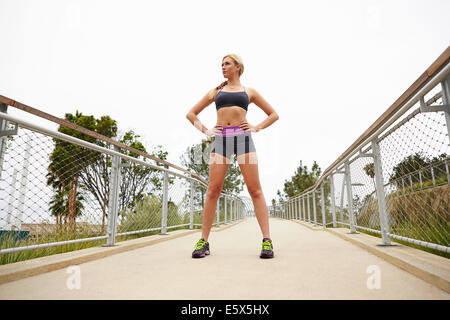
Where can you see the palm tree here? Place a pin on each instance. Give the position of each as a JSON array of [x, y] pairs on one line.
[[369, 169]]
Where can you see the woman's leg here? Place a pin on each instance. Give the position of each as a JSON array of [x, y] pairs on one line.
[[218, 167], [248, 162]]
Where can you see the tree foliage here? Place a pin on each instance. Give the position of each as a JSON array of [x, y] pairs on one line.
[[137, 181], [73, 166], [302, 179], [196, 159], [411, 165], [67, 162]]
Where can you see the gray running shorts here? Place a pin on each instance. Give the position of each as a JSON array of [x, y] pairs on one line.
[[233, 140]]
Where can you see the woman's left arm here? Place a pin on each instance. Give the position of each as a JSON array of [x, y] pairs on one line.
[[257, 99]]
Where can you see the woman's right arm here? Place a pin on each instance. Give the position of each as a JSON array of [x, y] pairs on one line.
[[196, 109]]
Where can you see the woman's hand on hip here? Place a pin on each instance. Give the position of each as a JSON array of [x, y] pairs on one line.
[[213, 131], [247, 127]]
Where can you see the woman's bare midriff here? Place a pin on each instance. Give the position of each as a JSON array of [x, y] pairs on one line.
[[231, 116]]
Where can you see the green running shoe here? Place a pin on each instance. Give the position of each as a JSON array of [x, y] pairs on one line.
[[201, 249], [267, 249]]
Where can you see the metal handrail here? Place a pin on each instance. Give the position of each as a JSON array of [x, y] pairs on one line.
[[71, 139], [68, 124]]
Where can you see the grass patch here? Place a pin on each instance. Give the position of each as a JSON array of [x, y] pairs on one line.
[[433, 251]]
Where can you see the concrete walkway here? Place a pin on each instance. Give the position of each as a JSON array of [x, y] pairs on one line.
[[309, 264]]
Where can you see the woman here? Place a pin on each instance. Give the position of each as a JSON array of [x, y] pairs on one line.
[[233, 136]]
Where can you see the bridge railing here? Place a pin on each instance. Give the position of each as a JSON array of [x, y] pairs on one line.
[[394, 180], [61, 190]]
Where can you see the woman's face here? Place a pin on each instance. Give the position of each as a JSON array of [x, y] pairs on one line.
[[229, 68]]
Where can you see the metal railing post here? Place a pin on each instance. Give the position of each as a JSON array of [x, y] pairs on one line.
[[225, 215], [9, 223], [303, 209], [4, 133], [235, 210], [289, 209], [314, 207], [348, 179], [293, 209], [333, 205], [294, 203], [309, 208], [232, 210], [240, 210], [379, 186], [3, 139], [446, 101], [23, 184], [164, 204], [448, 173], [286, 211], [341, 208], [191, 215], [217, 212], [113, 201], [323, 206]]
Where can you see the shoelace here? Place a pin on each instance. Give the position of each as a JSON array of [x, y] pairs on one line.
[[267, 245], [200, 244]]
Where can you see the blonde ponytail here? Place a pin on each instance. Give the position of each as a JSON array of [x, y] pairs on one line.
[[213, 92]]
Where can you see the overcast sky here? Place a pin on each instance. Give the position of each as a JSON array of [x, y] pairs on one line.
[[328, 68]]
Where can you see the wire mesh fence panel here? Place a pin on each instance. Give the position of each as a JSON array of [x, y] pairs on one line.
[[326, 216], [274, 211], [46, 187], [199, 203], [365, 205], [178, 201], [340, 199], [47, 191], [224, 210], [315, 207], [416, 157], [309, 202]]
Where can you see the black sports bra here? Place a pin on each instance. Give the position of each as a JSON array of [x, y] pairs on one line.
[[228, 99]]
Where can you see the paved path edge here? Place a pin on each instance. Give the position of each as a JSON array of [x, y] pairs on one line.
[[432, 275], [29, 268]]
